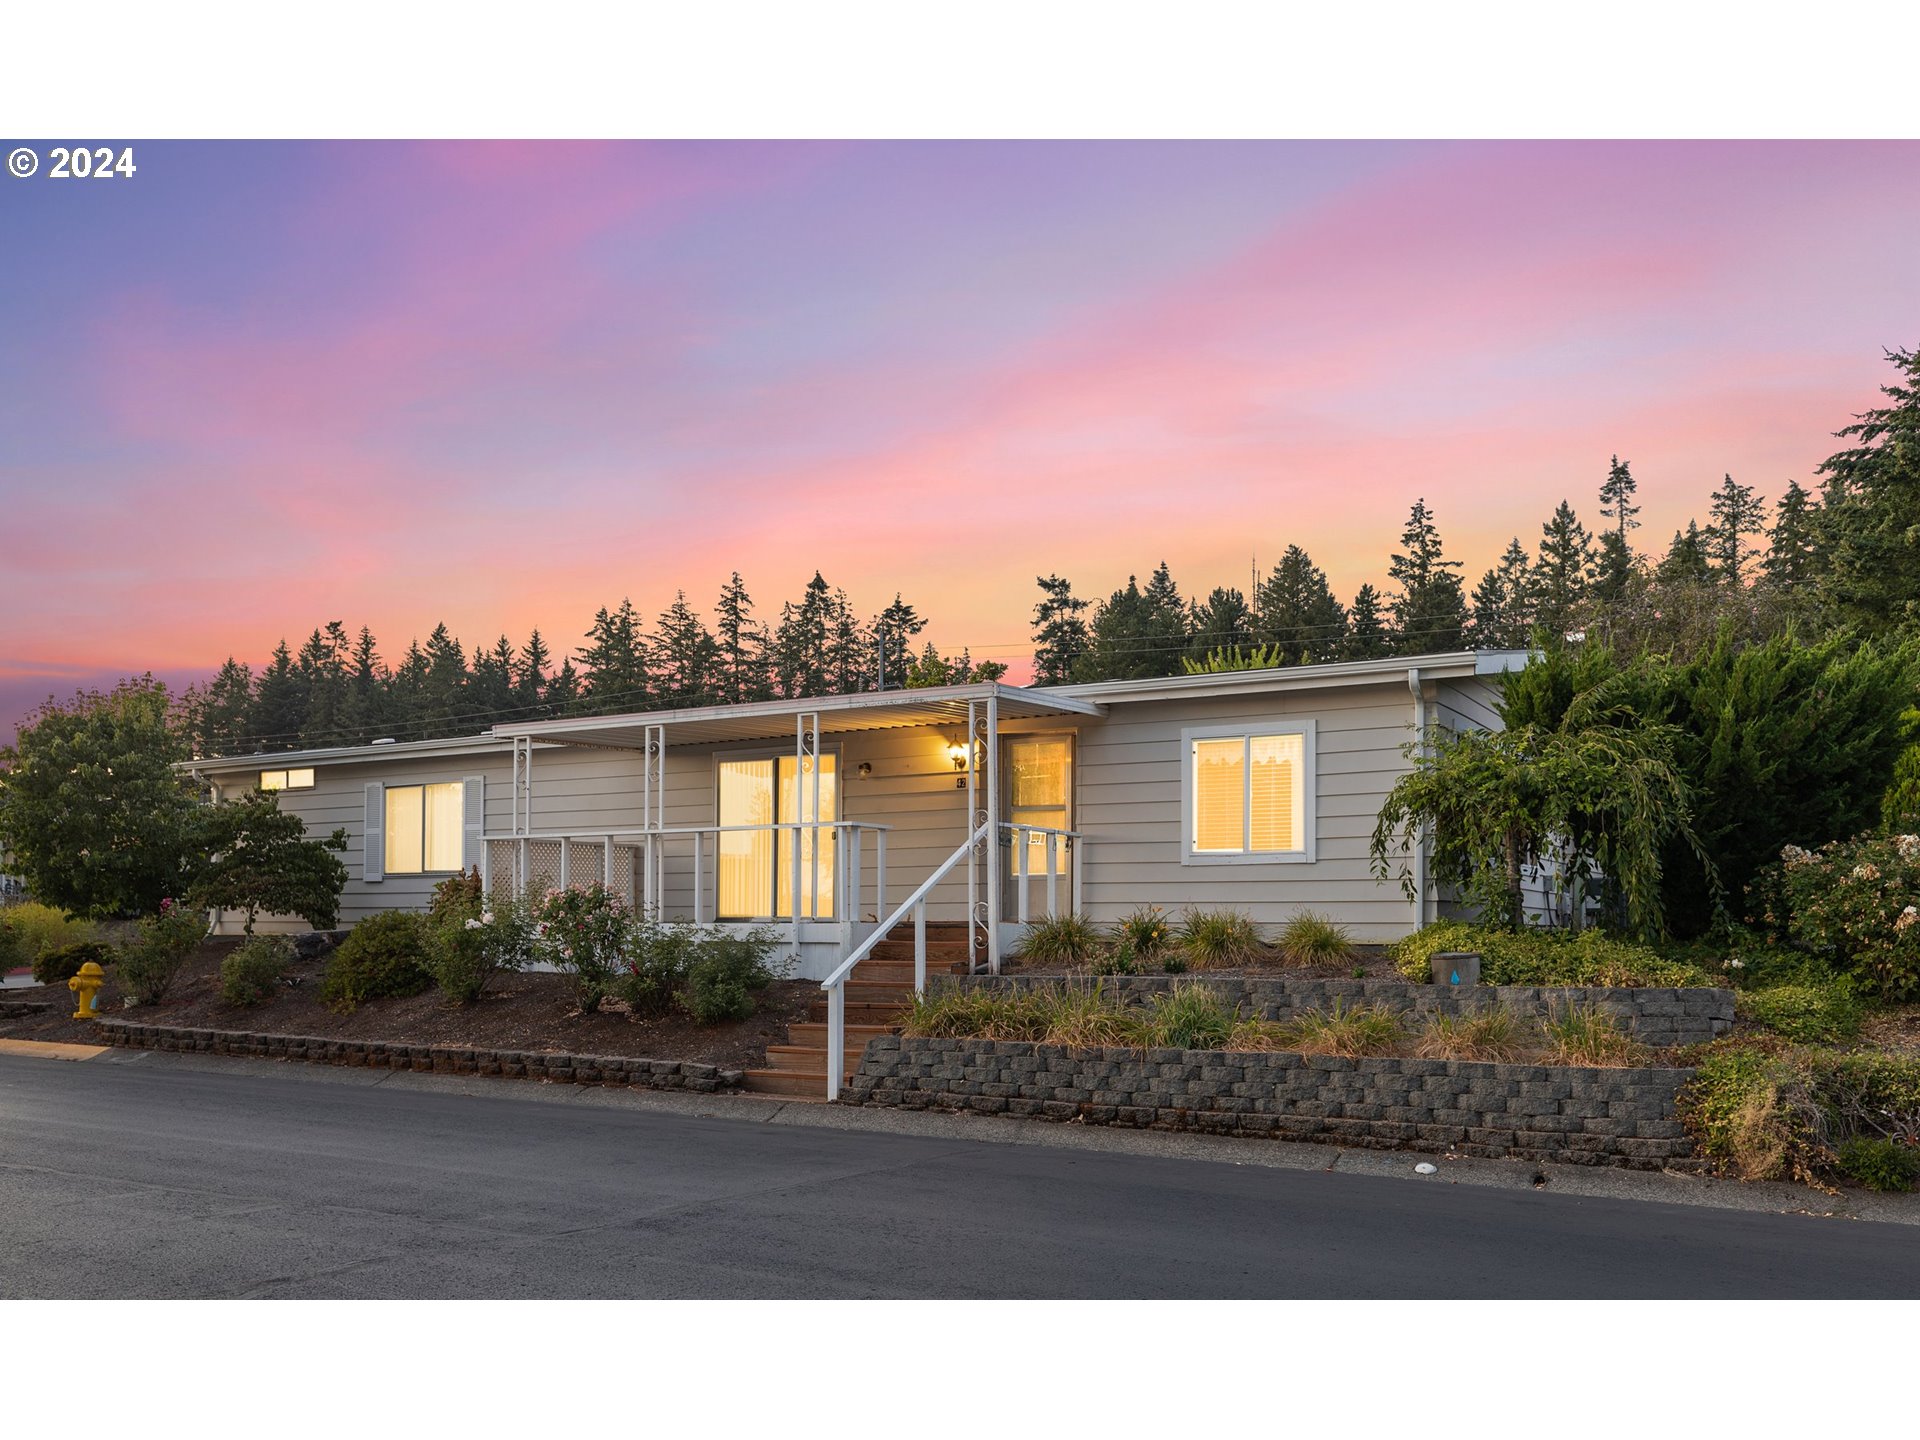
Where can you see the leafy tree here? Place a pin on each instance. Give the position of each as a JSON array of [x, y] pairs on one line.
[[1792, 544], [1781, 742], [1298, 613], [259, 859], [1736, 513], [741, 657], [1503, 601], [93, 814], [1224, 621], [280, 703], [1559, 582], [1869, 507], [1429, 612], [1367, 637], [1060, 636], [1599, 797], [615, 661], [685, 658]]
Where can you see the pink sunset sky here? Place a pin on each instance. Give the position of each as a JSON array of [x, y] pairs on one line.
[[261, 386]]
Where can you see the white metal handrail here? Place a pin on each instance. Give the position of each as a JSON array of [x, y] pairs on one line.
[[1058, 841], [836, 984]]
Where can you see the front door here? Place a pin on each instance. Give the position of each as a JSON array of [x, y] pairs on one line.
[[1039, 771], [756, 866]]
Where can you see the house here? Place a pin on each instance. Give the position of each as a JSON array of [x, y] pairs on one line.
[[1254, 789]]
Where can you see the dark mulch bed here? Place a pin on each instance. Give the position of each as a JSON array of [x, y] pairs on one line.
[[525, 1012], [1369, 962]]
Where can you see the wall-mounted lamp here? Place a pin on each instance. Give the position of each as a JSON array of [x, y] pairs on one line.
[[866, 769], [957, 753]]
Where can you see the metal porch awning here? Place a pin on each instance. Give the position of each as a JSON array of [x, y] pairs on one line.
[[945, 705]]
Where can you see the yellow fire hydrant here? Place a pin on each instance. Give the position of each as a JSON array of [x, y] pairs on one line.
[[87, 986]]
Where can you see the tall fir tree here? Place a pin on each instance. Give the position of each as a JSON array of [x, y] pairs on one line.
[[490, 691], [280, 703], [407, 695], [1060, 635], [1686, 561], [446, 708], [741, 658], [1298, 613], [1870, 572], [893, 630], [685, 658], [1367, 634], [1503, 601], [222, 715], [530, 676], [323, 669], [1225, 621], [563, 688], [614, 662], [1793, 542], [1561, 574], [1119, 642], [1429, 610], [1614, 565], [800, 644], [1166, 616], [1736, 512], [367, 681], [851, 659], [928, 669]]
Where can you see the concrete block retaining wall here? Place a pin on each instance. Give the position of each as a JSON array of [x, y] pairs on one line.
[[1581, 1116], [439, 1059], [1661, 1017]]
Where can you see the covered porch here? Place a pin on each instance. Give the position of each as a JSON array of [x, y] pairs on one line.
[[827, 817]]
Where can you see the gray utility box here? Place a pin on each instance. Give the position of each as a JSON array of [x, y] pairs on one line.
[[1456, 969]]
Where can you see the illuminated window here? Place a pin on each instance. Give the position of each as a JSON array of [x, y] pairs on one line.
[[286, 779], [424, 828], [1248, 795]]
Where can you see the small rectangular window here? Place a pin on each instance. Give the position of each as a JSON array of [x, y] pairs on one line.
[[1248, 795], [424, 828], [286, 779]]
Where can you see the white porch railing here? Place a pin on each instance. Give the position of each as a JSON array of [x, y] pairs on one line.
[[836, 984], [1059, 856], [634, 862]]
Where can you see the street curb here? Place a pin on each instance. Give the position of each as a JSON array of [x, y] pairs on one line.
[[50, 1049]]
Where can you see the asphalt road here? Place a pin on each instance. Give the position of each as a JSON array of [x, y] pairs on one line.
[[157, 1180]]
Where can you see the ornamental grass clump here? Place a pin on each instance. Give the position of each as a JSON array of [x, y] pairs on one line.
[[1068, 941], [1310, 938], [1146, 929], [1496, 1034], [1352, 1031], [1586, 1035], [1214, 939], [1191, 1017]]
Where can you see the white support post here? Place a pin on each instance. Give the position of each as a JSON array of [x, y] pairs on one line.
[[974, 817], [1053, 875], [880, 880], [566, 856], [993, 832], [848, 889], [920, 949], [836, 1038], [699, 865], [606, 862], [1077, 861], [1020, 874], [524, 859]]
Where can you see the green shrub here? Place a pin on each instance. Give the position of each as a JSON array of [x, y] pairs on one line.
[[1810, 1014], [457, 898], [1855, 903], [470, 946], [1146, 930], [56, 967], [657, 959], [35, 929], [1173, 963], [1065, 940], [1345, 1030], [1878, 1164], [148, 965], [385, 955], [1312, 939], [1121, 959], [587, 931], [1214, 938], [253, 972], [1545, 957], [727, 975]]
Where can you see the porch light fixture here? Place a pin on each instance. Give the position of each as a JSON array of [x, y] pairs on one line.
[[958, 754]]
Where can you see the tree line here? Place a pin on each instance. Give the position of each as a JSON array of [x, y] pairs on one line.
[[1845, 558]]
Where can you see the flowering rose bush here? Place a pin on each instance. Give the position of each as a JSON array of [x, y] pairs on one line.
[[585, 930], [1856, 903], [471, 947]]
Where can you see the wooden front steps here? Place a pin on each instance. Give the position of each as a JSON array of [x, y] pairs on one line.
[[879, 992]]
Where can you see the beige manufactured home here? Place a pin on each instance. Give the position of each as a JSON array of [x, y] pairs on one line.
[[981, 804]]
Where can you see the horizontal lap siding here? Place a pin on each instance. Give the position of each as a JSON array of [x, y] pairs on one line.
[[1129, 791]]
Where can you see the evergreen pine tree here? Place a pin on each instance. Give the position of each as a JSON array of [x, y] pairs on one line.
[[323, 669], [223, 712], [1367, 637], [800, 644], [1430, 611], [1060, 636], [1870, 570], [1298, 613], [1225, 621], [367, 681], [407, 696], [1792, 545], [741, 660], [530, 676], [615, 662], [1503, 601], [851, 659], [1560, 577], [1614, 566], [280, 703], [685, 658], [1118, 640], [1166, 622], [928, 669], [491, 692], [444, 701], [563, 688], [1737, 513], [1686, 562], [894, 630]]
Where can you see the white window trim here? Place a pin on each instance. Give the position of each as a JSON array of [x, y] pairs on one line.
[[1310, 787]]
